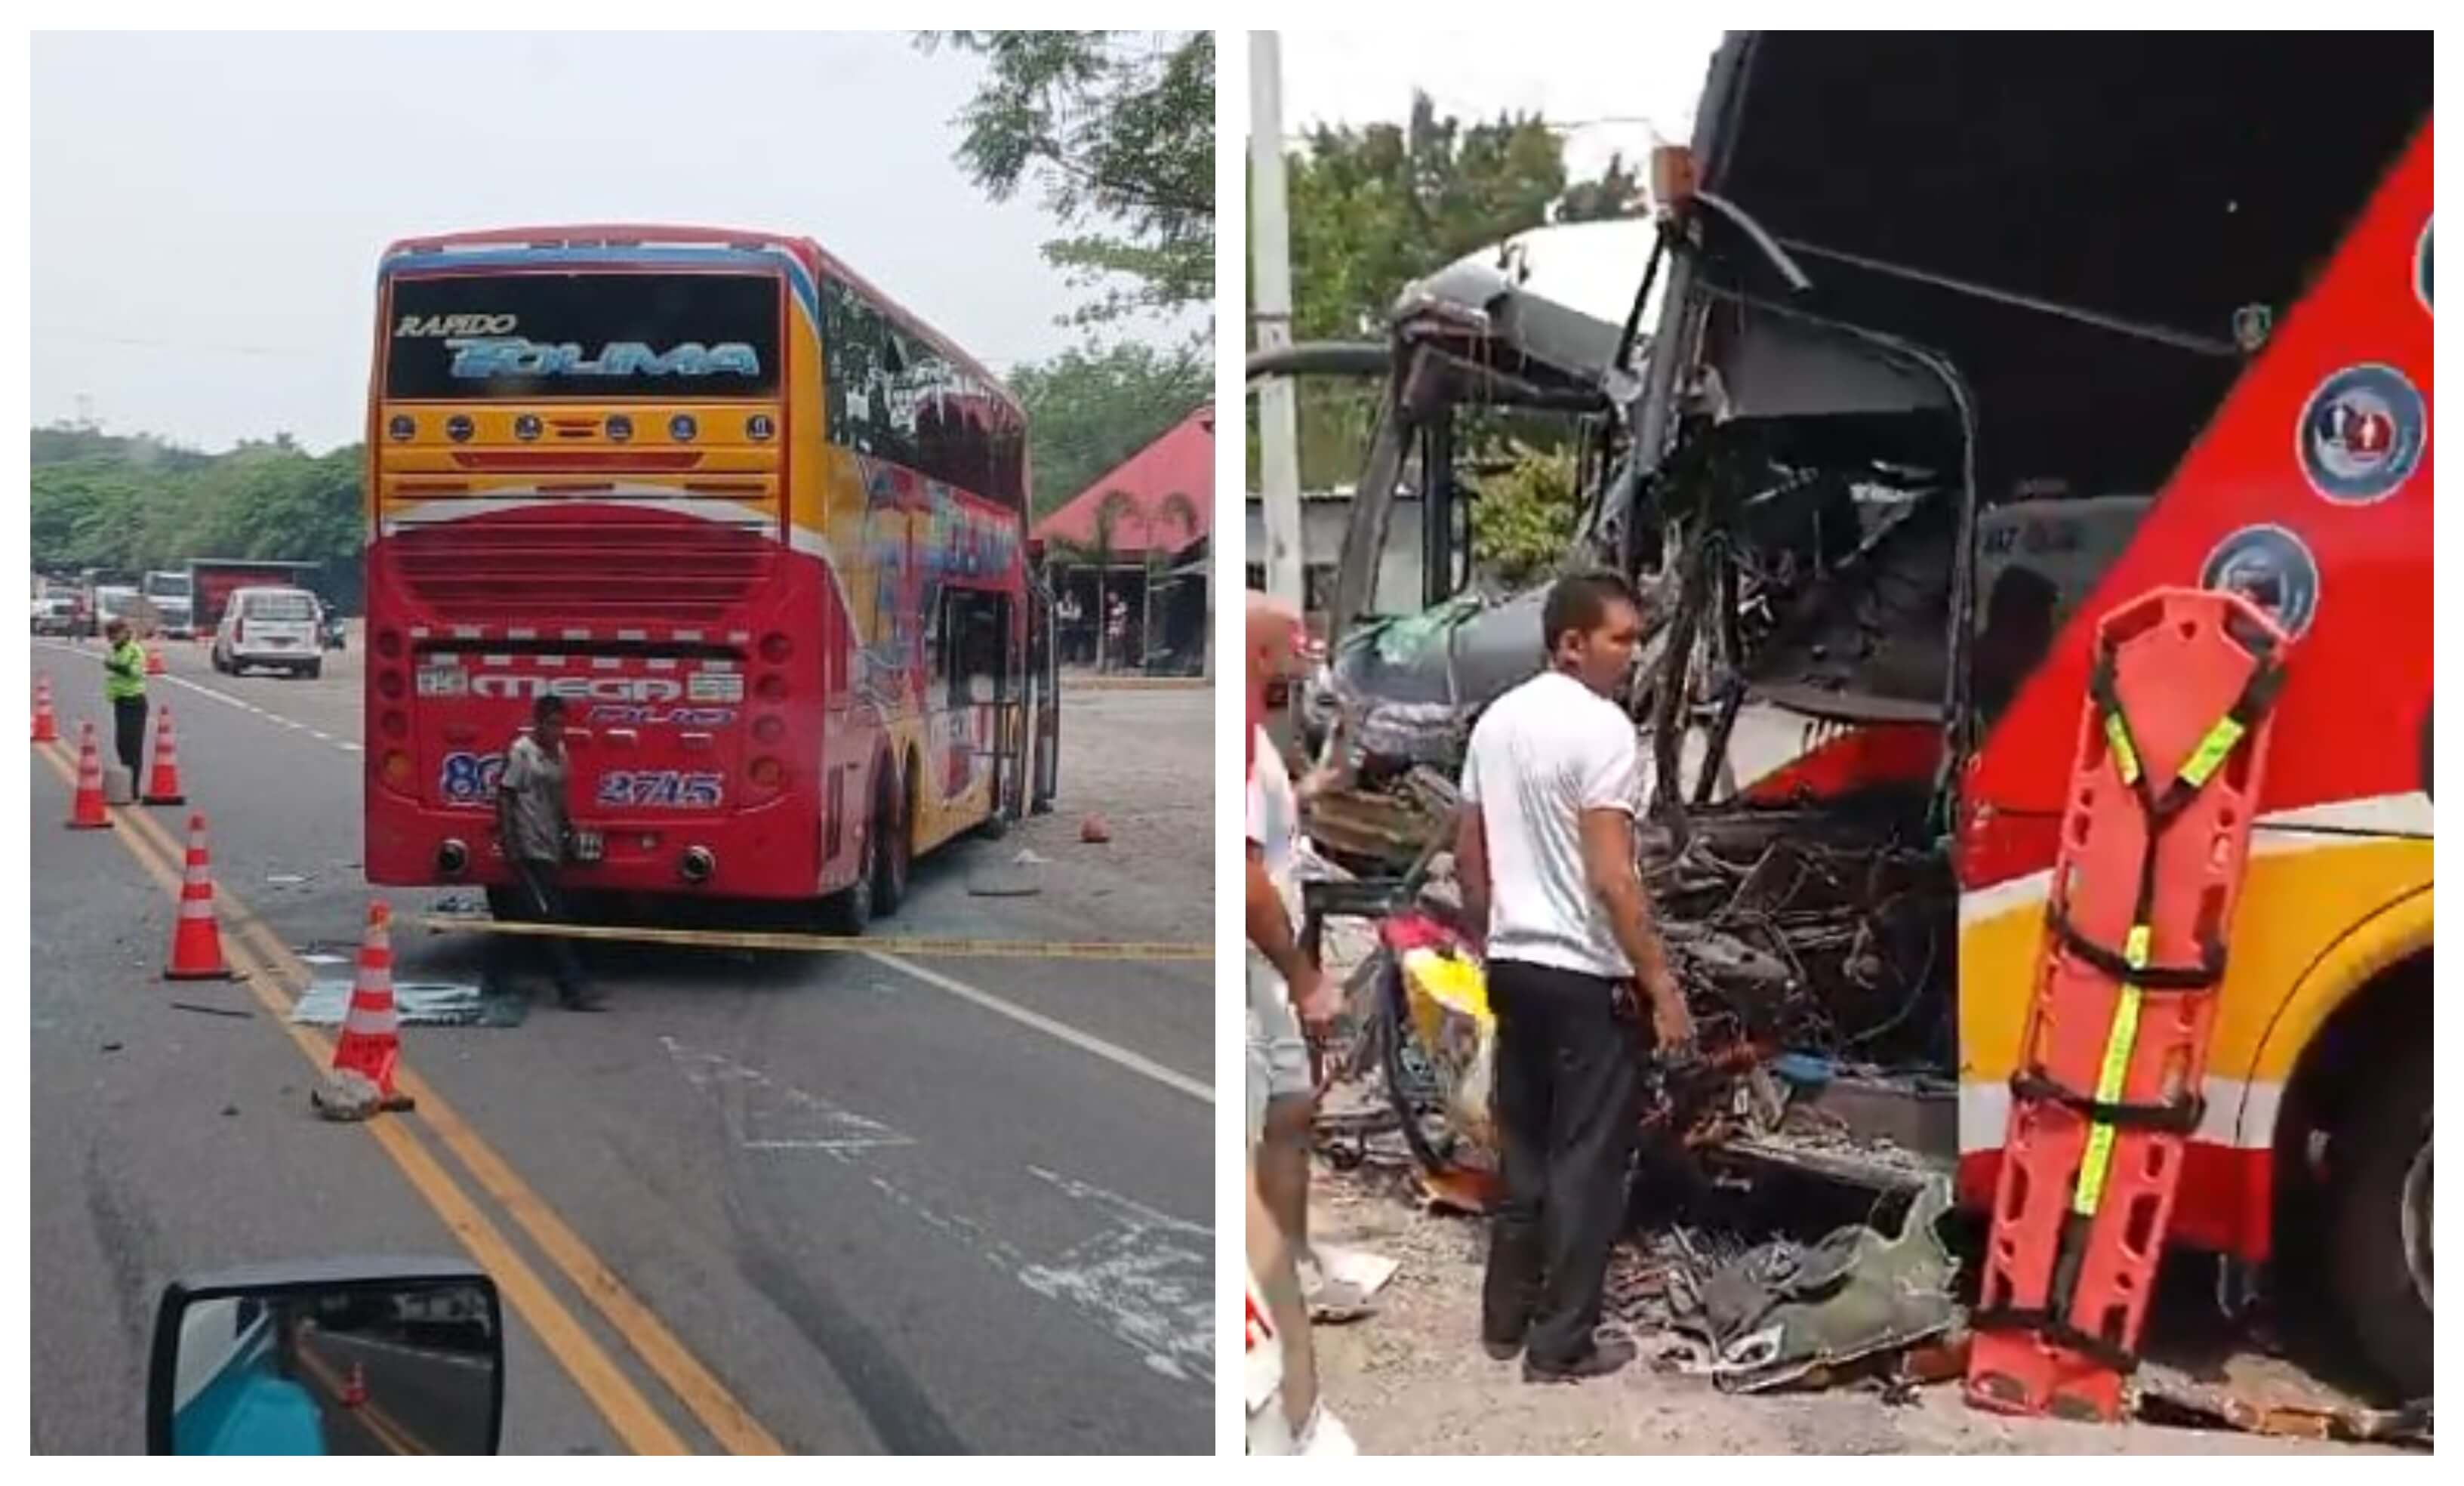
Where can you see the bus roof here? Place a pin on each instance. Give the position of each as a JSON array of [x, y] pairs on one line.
[[812, 255]]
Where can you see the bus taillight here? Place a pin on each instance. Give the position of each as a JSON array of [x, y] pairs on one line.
[[776, 648]]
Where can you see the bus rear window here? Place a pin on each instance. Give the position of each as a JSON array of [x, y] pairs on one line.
[[583, 335]]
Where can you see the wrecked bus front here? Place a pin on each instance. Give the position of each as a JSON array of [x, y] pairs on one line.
[[2112, 313]]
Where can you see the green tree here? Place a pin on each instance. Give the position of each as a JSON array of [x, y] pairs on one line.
[[136, 502], [1090, 409], [1524, 518], [1376, 207], [1618, 192], [1117, 130]]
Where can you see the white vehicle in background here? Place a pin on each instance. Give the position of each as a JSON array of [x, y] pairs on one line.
[[174, 604], [273, 628]]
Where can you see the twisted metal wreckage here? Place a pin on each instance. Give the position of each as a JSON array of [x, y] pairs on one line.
[[1813, 451]]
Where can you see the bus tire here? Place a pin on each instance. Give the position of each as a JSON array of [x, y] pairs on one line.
[[849, 911], [2379, 1236], [894, 797]]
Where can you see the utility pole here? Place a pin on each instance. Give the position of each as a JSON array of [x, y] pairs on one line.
[[1270, 320]]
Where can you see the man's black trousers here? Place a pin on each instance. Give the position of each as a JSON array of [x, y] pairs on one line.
[[129, 737], [1567, 1081], [543, 901]]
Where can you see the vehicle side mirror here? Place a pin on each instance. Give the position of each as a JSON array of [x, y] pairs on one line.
[[328, 1358]]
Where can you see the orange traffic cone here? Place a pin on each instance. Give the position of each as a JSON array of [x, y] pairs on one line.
[[197, 935], [164, 788], [47, 727], [372, 1040], [153, 661], [88, 813]]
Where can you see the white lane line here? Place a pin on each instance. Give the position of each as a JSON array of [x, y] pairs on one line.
[[255, 710], [1063, 1032]]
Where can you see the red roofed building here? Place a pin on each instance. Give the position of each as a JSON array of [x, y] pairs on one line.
[[1133, 547]]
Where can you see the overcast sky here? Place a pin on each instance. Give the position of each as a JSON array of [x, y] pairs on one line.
[[207, 209], [1572, 73]]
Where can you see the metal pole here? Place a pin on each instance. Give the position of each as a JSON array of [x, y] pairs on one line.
[[1270, 318]]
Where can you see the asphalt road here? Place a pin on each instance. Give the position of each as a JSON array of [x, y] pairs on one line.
[[841, 1203]]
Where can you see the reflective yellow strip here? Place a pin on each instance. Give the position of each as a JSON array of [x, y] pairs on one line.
[[2125, 758], [921, 948], [2099, 1157], [2212, 751]]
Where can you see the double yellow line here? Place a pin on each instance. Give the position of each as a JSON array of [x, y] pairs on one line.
[[268, 966]]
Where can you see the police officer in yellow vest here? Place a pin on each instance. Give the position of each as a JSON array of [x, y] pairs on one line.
[[124, 686]]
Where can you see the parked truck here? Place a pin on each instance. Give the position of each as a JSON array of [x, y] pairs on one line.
[[213, 580]]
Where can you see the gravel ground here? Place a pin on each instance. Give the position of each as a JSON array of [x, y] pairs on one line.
[[1412, 1379]]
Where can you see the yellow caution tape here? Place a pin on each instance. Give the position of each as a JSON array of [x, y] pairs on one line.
[[921, 948]]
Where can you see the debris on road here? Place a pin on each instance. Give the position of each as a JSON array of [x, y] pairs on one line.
[[1784, 1313], [236, 1013], [999, 881], [416, 1004], [344, 1097], [1094, 831], [2165, 1395]]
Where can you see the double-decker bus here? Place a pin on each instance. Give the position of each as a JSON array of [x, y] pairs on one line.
[[762, 528]]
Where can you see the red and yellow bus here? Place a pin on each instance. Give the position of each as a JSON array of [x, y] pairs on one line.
[[762, 529]]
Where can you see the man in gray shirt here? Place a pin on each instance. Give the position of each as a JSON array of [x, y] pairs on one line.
[[534, 829]]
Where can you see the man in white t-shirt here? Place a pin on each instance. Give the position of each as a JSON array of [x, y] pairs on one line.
[[1544, 854]]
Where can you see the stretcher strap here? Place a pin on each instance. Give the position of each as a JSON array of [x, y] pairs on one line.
[[2210, 969], [2177, 1117]]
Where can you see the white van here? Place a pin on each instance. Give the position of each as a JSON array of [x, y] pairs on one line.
[[275, 628]]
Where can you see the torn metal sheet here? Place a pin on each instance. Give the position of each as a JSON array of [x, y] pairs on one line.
[[1785, 1313], [416, 1004]]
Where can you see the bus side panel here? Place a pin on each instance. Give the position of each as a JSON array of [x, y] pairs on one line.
[[2321, 457], [2349, 721]]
